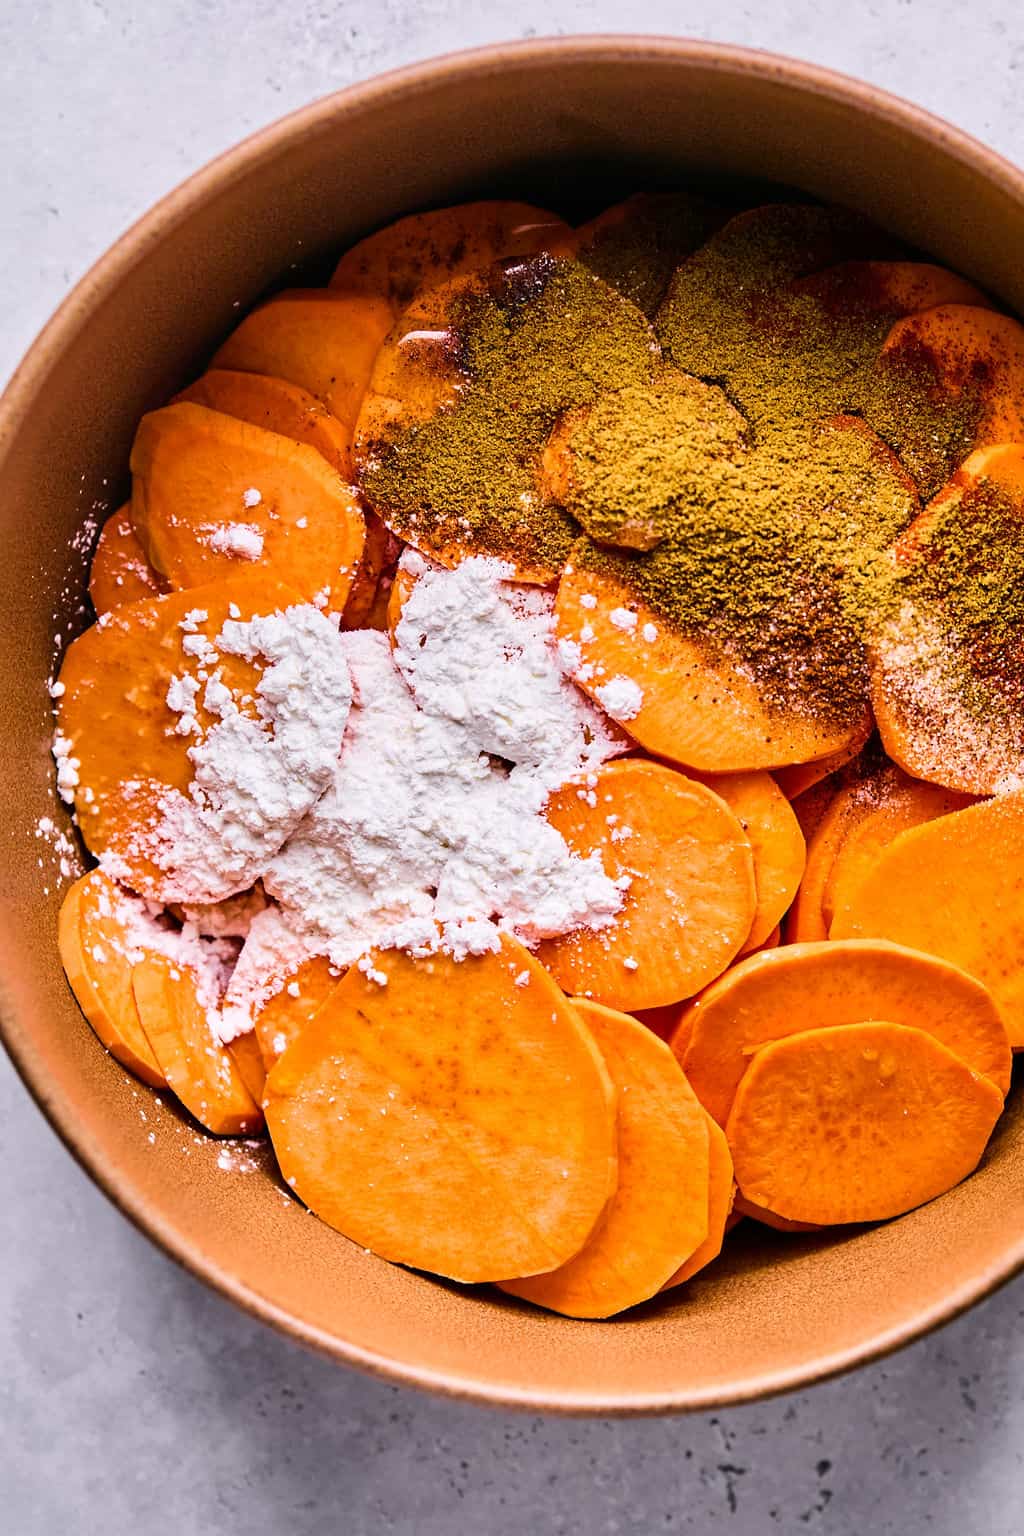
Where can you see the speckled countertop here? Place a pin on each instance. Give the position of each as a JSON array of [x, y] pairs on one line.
[[132, 1400]]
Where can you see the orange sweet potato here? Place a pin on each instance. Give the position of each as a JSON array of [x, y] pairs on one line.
[[707, 716], [658, 1216], [963, 347], [423, 250], [291, 1007], [721, 1192], [823, 985], [744, 1207], [888, 288], [859, 1122], [798, 778], [211, 493], [201, 1072], [98, 956], [245, 1052], [954, 888], [780, 853], [923, 679], [322, 340], [907, 803], [363, 594], [276, 405], [450, 1119], [120, 572], [692, 898], [850, 804]]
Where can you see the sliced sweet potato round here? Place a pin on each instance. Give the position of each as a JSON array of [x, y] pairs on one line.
[[658, 1216], [322, 340], [908, 803], [201, 1072], [780, 852], [721, 1193], [822, 985], [120, 572], [98, 956], [798, 778], [424, 250], [705, 715], [276, 405], [888, 287], [859, 1122], [211, 493], [947, 663], [290, 1008], [691, 897], [445, 1117], [245, 1052], [946, 382], [954, 889], [744, 1207]]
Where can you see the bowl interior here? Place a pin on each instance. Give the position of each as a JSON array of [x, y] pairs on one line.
[[575, 124]]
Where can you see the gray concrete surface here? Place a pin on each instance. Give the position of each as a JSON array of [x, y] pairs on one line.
[[131, 1400]]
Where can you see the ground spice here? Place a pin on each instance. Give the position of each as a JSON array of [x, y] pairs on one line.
[[626, 465], [640, 243], [780, 562], [536, 338]]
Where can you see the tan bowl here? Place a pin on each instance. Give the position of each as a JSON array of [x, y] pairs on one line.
[[594, 116]]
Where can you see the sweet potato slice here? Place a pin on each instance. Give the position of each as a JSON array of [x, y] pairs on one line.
[[680, 705], [286, 1013], [276, 405], [377, 554], [691, 900], [780, 852], [120, 572], [659, 1213], [424, 250], [859, 1122], [322, 340], [245, 1052], [954, 888], [947, 666], [98, 958], [449, 1119], [908, 803], [721, 1192], [822, 985], [798, 778], [888, 287], [744, 1207], [967, 349], [201, 1072], [128, 764], [211, 493]]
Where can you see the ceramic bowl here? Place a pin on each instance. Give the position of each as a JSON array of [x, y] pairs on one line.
[[584, 119]]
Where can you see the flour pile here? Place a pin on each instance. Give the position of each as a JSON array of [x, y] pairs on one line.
[[383, 793]]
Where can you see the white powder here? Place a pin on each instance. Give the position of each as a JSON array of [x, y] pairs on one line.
[[650, 634], [620, 697], [481, 652], [252, 497], [423, 838], [243, 540], [257, 769], [623, 618]]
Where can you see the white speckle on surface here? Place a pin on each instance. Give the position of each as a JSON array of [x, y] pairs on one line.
[[252, 497], [620, 698]]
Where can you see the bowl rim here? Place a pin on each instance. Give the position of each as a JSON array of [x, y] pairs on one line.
[[74, 313]]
